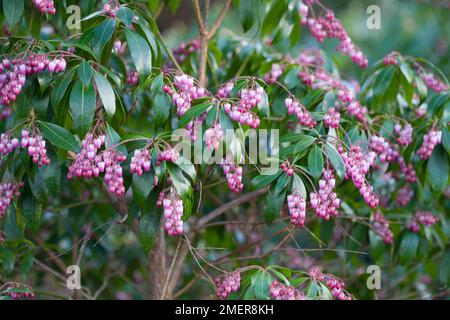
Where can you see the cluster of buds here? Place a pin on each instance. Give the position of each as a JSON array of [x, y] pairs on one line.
[[26, 294], [7, 143], [381, 227], [8, 190], [140, 161], [225, 90], [109, 162], [119, 47], [430, 140], [357, 165], [274, 74], [297, 208], [404, 196], [36, 147], [186, 92], [110, 8], [382, 147], [337, 289], [287, 168], [213, 136], [279, 291], [233, 174], [355, 109], [391, 58], [325, 202], [173, 212], [432, 82], [85, 161], [184, 50], [331, 118], [227, 284], [424, 218], [13, 73], [242, 115], [170, 155], [407, 170], [132, 77], [404, 134], [328, 26], [295, 107], [311, 57], [251, 97], [45, 6]]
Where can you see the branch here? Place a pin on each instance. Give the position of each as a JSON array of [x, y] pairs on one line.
[[198, 18], [219, 19]]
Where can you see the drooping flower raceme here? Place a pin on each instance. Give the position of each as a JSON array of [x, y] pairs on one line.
[[296, 108], [404, 134], [7, 143], [45, 6], [430, 141], [8, 190], [227, 284], [325, 201], [297, 209], [140, 162], [381, 227], [331, 118], [173, 212], [213, 136], [423, 218], [279, 291], [383, 148], [36, 147], [404, 196], [233, 174]]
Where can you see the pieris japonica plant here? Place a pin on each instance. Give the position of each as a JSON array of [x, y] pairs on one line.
[[132, 158]]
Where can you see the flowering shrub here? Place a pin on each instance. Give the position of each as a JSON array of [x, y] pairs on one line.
[[99, 152]]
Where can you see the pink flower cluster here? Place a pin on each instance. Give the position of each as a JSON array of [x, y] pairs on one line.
[[381, 227], [404, 134], [356, 110], [296, 108], [140, 161], [357, 165], [325, 202], [242, 115], [7, 143], [185, 49], [297, 209], [424, 218], [186, 92], [85, 164], [430, 140], [8, 190], [391, 59], [45, 6], [173, 212], [383, 148], [230, 282], [19, 295], [404, 196], [242, 112], [225, 90], [13, 73], [407, 170], [332, 118], [279, 291], [287, 168], [275, 72], [89, 163], [132, 77], [337, 289], [36, 147], [328, 26], [311, 57], [432, 82], [110, 8], [233, 174], [213, 136], [170, 155]]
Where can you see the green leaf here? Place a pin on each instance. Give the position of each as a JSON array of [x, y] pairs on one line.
[[261, 181], [273, 203], [263, 106], [273, 17], [125, 15], [140, 52], [315, 162], [102, 35], [58, 136], [335, 159], [408, 247], [407, 72], [82, 107], [446, 138], [192, 113], [305, 142], [13, 10], [106, 93], [438, 169], [60, 87], [161, 109], [248, 13], [142, 185], [32, 212], [297, 184], [85, 72]]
